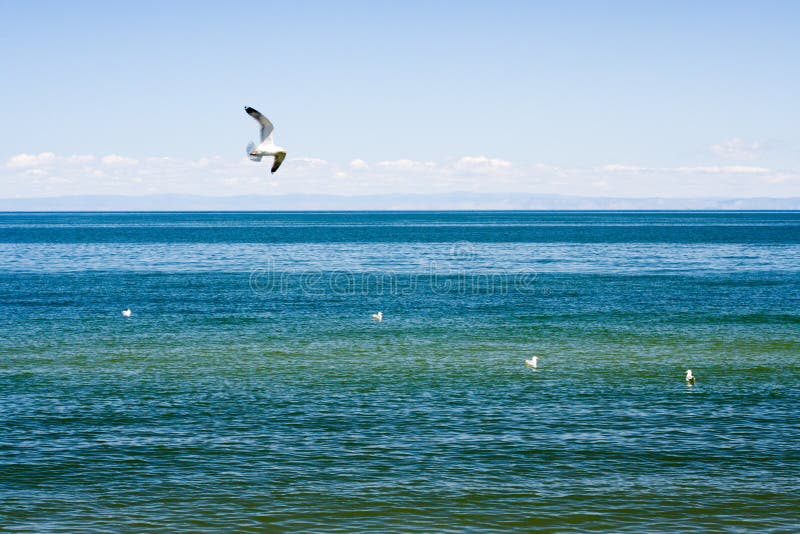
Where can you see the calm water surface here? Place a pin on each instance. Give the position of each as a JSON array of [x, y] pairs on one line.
[[250, 390]]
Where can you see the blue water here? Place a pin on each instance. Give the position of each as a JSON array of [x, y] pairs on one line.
[[250, 391]]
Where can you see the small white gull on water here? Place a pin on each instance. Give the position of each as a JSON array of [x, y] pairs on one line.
[[377, 316], [533, 362], [689, 377], [267, 147], [126, 312]]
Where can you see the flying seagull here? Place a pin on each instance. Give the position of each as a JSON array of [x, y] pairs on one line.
[[267, 147]]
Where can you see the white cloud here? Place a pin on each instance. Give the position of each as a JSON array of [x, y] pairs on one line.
[[165, 159], [30, 160], [781, 178], [698, 169], [57, 180], [28, 175], [405, 164], [745, 169], [116, 160], [738, 149], [724, 169], [309, 162], [630, 169], [80, 159], [482, 161]]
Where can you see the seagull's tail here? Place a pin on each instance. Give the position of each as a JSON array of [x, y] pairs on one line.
[[250, 146]]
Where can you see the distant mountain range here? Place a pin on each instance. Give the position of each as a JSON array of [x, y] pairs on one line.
[[448, 201]]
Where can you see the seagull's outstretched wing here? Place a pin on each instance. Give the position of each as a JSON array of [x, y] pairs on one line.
[[266, 126], [279, 157]]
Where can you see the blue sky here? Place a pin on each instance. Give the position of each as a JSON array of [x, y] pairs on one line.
[[594, 98]]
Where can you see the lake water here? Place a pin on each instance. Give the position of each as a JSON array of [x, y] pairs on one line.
[[251, 391]]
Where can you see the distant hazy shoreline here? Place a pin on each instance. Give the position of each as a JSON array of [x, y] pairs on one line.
[[452, 201]]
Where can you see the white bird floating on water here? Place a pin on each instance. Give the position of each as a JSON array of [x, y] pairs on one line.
[[377, 316], [533, 362], [689, 377], [267, 147], [126, 313]]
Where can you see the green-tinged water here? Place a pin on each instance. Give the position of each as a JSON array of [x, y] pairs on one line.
[[251, 391]]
